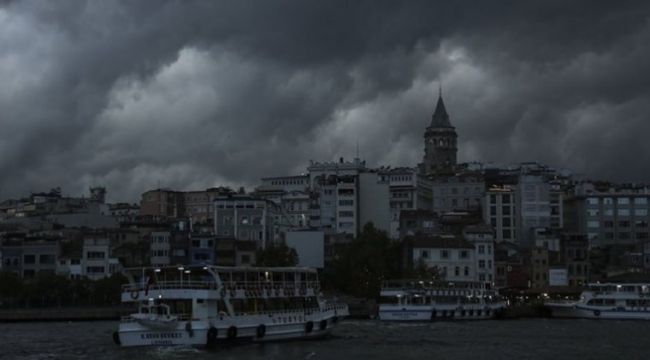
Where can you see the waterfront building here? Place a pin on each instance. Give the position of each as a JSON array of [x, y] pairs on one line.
[[610, 216], [160, 248], [96, 261], [452, 256], [245, 218], [499, 211], [413, 222], [459, 192], [575, 256], [482, 237]]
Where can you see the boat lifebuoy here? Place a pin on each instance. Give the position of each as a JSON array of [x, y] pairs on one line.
[[323, 325], [212, 336], [261, 330], [597, 312], [135, 294], [309, 326], [232, 332], [116, 338]]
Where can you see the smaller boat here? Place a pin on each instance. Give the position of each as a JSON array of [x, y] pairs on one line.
[[155, 316], [606, 301], [418, 300]]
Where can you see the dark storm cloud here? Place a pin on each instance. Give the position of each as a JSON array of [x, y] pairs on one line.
[[133, 94]]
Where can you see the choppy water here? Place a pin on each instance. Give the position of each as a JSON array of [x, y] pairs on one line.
[[353, 339]]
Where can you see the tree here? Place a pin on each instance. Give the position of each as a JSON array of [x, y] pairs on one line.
[[365, 263], [276, 255]]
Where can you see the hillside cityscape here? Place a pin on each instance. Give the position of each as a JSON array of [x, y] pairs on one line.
[[527, 227]]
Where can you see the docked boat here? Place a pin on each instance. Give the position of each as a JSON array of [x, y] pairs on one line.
[[208, 305], [416, 300], [606, 301]]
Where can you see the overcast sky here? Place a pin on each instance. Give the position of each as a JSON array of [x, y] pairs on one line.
[[192, 94]]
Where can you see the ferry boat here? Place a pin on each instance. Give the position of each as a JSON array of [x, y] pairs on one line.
[[417, 300], [207, 305], [606, 301]]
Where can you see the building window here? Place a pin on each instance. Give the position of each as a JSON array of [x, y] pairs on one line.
[[466, 270], [481, 264], [95, 269], [95, 255], [46, 259], [29, 259], [245, 259], [623, 201], [623, 212], [592, 212], [464, 254], [425, 254], [481, 249], [592, 201], [457, 271], [593, 224], [640, 201], [640, 212], [444, 254]]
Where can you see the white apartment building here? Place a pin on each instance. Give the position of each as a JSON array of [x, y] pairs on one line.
[[160, 248], [96, 262], [499, 211], [453, 257], [482, 236]]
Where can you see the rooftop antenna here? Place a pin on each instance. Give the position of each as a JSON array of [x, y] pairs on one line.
[[357, 147]]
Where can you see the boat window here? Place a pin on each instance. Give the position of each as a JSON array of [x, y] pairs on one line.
[[391, 300]]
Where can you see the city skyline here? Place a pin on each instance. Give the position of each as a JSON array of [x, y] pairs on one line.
[[194, 95]]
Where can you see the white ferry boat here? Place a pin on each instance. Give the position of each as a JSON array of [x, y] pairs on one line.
[[204, 306], [606, 301], [415, 300]]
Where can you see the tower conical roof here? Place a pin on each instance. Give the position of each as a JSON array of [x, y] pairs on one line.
[[440, 117]]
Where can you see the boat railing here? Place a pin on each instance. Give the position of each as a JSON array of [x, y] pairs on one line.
[[179, 317], [431, 285], [271, 285], [212, 285], [307, 311], [163, 285]]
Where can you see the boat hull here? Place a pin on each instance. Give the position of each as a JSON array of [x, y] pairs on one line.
[[437, 313], [576, 311], [256, 328]]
